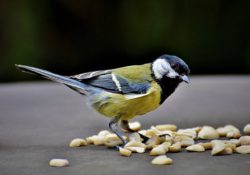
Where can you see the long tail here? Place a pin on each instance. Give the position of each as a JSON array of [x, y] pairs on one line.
[[73, 84]]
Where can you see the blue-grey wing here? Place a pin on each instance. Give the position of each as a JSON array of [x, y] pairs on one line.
[[114, 83]]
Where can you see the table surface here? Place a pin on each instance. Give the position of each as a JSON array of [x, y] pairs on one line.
[[39, 119]]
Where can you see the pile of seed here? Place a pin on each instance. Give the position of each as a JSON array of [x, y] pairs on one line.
[[166, 138]]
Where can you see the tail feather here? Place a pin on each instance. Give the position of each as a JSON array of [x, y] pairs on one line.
[[74, 84]]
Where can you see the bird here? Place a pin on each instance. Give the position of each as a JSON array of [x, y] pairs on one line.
[[126, 92]]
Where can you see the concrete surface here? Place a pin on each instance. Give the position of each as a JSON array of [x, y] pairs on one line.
[[38, 119]]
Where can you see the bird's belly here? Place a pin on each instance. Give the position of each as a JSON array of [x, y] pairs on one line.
[[126, 106]]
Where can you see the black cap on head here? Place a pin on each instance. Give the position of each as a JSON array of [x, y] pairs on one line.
[[177, 64]]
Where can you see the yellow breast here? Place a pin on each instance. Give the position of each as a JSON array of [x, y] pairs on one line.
[[128, 106]]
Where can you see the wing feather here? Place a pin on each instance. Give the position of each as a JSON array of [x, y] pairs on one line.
[[112, 82], [88, 75]]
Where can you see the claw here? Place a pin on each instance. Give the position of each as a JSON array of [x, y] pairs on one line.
[[124, 125], [145, 138]]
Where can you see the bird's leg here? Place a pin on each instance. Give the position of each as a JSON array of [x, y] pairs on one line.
[[124, 125], [113, 126]]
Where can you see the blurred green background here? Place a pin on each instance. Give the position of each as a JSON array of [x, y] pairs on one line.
[[75, 36]]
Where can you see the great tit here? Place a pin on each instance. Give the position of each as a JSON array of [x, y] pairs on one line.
[[126, 92]]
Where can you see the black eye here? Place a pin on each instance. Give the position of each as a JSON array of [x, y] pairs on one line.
[[174, 66]]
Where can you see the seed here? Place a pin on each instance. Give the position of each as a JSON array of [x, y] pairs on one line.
[[197, 129], [244, 149], [166, 133], [234, 141], [135, 146], [135, 126], [160, 149], [103, 133], [97, 140], [245, 140], [229, 131], [208, 132], [90, 140], [151, 132], [231, 128], [227, 151], [166, 127], [189, 132], [230, 145], [153, 141], [195, 148], [218, 147], [166, 145], [154, 131], [135, 143], [176, 147], [125, 152], [78, 142], [59, 162], [233, 134], [134, 136], [143, 132], [247, 129], [207, 145], [111, 140], [222, 131], [162, 160], [167, 138], [184, 140], [136, 149]]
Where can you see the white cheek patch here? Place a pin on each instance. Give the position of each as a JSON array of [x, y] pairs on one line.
[[172, 74], [161, 67]]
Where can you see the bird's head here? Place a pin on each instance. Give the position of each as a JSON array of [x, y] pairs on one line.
[[171, 67]]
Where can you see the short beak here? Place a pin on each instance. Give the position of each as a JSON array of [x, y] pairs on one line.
[[185, 78]]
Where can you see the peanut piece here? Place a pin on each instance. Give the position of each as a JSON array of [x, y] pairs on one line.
[[111, 140], [160, 149], [176, 147], [195, 148], [208, 132], [246, 129], [90, 139], [98, 140], [78, 142], [134, 137], [233, 134], [189, 132], [135, 126], [103, 133], [244, 149], [166, 127], [218, 147], [234, 141], [245, 140], [125, 152], [59, 162], [207, 145], [229, 131], [153, 141], [135, 146], [184, 140], [162, 160], [227, 151]]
